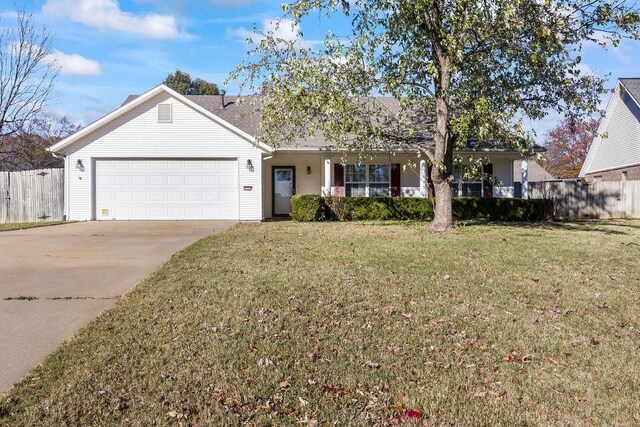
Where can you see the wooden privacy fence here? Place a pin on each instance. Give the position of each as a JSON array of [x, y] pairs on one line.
[[578, 200], [31, 196]]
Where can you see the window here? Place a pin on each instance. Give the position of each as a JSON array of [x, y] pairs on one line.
[[367, 180], [164, 113], [597, 178], [461, 188], [379, 180], [356, 180]]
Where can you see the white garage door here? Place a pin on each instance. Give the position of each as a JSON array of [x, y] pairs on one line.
[[166, 189]]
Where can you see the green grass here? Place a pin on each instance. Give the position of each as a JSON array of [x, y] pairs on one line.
[[352, 323], [25, 225]]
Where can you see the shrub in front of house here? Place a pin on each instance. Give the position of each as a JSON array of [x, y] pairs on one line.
[[311, 207], [308, 207]]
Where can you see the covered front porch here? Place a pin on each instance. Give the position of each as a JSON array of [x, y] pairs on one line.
[[378, 175]]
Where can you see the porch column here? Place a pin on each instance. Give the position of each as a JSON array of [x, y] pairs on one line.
[[424, 184], [327, 177], [525, 178]]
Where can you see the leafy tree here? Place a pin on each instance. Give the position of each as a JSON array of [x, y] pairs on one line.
[[203, 87], [179, 81], [567, 145], [182, 83], [458, 68]]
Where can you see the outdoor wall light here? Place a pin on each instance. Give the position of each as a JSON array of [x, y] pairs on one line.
[[249, 165], [79, 165], [308, 170]]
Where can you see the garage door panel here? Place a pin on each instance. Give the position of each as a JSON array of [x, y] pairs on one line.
[[140, 180], [166, 189]]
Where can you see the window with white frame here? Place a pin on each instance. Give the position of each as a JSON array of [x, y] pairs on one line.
[[355, 180], [379, 183], [367, 180], [463, 188]]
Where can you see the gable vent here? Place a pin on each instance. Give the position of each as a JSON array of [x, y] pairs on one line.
[[164, 113]]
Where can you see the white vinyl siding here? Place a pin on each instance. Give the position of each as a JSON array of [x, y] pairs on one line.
[[621, 146], [137, 134]]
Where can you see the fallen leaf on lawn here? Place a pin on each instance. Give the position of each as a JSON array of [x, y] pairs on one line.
[[302, 401], [172, 414], [447, 277], [329, 389], [559, 388], [371, 365], [501, 393], [312, 356], [285, 384], [579, 398], [406, 415], [535, 279], [265, 362], [311, 381], [480, 394], [594, 342]]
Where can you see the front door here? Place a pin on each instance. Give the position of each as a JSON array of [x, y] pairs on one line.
[[284, 186]]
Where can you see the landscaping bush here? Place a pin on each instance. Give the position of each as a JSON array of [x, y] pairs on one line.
[[494, 209], [307, 207], [389, 208], [317, 208]]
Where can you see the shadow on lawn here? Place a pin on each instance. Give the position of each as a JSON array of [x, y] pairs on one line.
[[599, 226]]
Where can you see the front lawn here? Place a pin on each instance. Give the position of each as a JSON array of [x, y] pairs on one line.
[[356, 324], [25, 225]]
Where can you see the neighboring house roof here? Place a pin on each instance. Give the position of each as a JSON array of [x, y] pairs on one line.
[[244, 116], [536, 172], [632, 85], [617, 142]]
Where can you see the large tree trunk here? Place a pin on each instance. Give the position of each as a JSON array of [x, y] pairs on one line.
[[443, 216], [443, 156]]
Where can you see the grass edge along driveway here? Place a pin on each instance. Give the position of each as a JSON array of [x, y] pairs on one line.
[[362, 324]]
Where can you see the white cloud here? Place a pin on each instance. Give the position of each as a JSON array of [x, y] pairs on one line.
[[74, 64], [107, 15], [282, 29]]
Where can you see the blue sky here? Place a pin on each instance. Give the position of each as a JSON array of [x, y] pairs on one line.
[[109, 49]]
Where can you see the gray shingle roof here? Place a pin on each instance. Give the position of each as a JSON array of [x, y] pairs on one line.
[[244, 117], [633, 86]]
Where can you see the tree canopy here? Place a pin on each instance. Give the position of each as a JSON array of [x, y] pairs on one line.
[[567, 145], [182, 83], [457, 68]]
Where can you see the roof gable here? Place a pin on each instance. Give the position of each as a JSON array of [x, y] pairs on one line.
[[618, 128], [134, 101]]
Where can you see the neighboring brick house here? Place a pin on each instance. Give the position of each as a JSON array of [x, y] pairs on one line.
[[614, 154]]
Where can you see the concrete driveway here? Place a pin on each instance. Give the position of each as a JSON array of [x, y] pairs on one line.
[[54, 280]]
